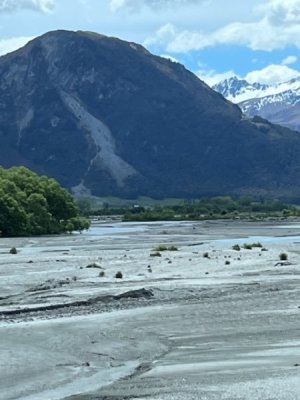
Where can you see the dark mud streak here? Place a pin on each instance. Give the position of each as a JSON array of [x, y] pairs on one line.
[[133, 294]]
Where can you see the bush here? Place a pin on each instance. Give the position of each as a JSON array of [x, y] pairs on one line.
[[156, 254], [13, 250], [206, 255], [119, 275], [172, 248], [102, 274], [258, 244], [247, 246], [227, 262], [236, 247], [161, 247], [283, 256]]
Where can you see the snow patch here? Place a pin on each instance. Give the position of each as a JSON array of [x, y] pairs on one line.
[[239, 90]]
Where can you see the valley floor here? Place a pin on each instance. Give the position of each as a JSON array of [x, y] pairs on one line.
[[178, 326]]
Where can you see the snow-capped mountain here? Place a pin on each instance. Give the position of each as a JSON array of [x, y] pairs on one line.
[[279, 103], [237, 90]]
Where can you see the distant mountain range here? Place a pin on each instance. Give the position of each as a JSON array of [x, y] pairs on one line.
[[105, 116], [278, 103]]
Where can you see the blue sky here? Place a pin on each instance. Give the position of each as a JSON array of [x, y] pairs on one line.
[[255, 39]]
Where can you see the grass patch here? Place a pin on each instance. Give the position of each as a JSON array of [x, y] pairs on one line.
[[163, 247]]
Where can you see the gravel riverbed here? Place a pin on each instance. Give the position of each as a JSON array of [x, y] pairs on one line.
[[203, 322]]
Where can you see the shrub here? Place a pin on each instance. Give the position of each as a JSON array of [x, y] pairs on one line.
[[283, 256], [13, 250], [156, 254], [102, 274], [250, 246], [258, 244], [206, 255], [119, 275], [172, 248], [227, 262], [236, 247], [161, 247]]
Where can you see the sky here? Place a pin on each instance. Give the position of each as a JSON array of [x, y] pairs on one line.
[[257, 40]]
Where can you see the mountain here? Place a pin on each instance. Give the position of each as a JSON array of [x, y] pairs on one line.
[[105, 116], [237, 90], [278, 103]]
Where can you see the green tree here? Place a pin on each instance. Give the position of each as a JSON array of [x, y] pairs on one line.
[[35, 205]]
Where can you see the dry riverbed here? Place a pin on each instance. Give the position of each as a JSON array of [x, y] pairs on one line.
[[203, 322]]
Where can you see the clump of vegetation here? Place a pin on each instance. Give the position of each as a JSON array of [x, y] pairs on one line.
[[257, 244], [13, 250], [172, 248], [250, 246], [101, 274], [206, 255], [236, 247], [227, 262], [35, 205], [119, 275], [283, 256], [163, 247], [156, 254]]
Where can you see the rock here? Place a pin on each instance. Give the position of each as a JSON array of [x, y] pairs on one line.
[[135, 294], [94, 265]]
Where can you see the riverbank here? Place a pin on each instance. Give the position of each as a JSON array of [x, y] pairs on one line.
[[212, 321]]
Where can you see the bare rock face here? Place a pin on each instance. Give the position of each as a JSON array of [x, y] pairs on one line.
[[105, 116]]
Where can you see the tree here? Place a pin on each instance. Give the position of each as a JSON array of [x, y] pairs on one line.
[[35, 205]]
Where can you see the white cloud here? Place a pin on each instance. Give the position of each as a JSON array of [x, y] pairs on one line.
[[36, 5], [281, 12], [289, 60], [272, 74], [9, 45], [135, 5], [278, 26], [168, 57], [176, 41], [211, 77]]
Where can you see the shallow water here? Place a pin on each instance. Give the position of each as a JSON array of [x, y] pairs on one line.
[[211, 331]]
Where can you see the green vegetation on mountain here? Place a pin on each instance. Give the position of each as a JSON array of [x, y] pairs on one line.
[[35, 205]]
